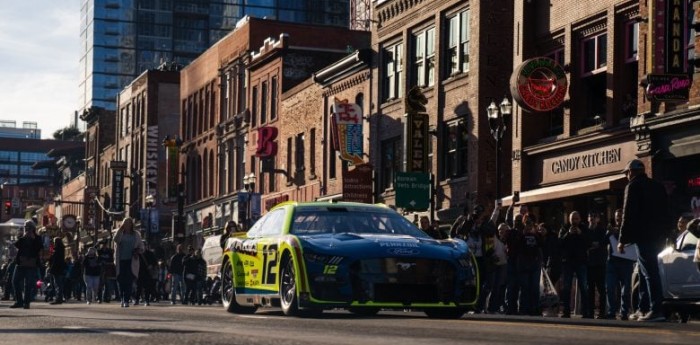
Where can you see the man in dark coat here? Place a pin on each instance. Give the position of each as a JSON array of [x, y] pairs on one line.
[[644, 218], [29, 248]]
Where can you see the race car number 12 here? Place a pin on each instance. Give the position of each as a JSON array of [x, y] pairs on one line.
[[269, 262]]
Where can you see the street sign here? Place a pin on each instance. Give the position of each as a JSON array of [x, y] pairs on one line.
[[357, 184], [412, 190]]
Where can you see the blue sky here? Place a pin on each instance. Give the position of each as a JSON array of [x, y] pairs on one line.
[[39, 62]]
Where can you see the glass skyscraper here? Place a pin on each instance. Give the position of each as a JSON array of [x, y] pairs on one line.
[[122, 38]]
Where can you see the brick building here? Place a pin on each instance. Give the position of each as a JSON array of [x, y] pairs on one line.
[[570, 157], [456, 54], [148, 111], [227, 94]]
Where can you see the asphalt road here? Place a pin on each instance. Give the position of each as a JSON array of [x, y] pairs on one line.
[[160, 324]]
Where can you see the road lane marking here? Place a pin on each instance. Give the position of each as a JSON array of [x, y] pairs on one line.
[[253, 316], [633, 330], [107, 331]]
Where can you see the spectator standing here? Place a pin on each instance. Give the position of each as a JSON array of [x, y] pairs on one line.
[[58, 268], [644, 216], [513, 242], [201, 276], [529, 266], [574, 247], [497, 298], [92, 269], [7, 283], [77, 277], [127, 246], [108, 280], [597, 259], [176, 268], [29, 247], [618, 273], [161, 281], [229, 229], [681, 227], [190, 269], [694, 228], [551, 252], [429, 229], [146, 282]]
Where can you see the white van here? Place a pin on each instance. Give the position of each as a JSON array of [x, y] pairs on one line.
[[212, 254]]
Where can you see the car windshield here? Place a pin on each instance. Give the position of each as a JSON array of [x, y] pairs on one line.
[[355, 220]]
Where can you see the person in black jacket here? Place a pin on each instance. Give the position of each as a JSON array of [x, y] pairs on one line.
[[597, 259], [644, 218], [190, 270], [29, 248], [176, 282], [92, 270], [574, 247], [57, 268]]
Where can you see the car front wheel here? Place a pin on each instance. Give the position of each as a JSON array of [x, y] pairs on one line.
[[228, 292]]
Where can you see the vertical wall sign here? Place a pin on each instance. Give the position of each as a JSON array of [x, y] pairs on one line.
[[348, 122], [172, 159], [152, 160], [118, 169]]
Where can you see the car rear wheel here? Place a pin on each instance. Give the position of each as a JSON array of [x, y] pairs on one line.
[[228, 292], [445, 313]]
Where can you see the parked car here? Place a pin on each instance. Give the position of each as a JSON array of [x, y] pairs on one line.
[[307, 257], [680, 278]]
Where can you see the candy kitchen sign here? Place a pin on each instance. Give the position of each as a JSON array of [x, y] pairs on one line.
[[584, 163], [539, 84]]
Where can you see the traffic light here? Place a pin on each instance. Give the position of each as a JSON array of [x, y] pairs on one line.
[[8, 207]]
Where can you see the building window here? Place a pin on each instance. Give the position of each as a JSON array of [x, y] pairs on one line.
[[330, 145], [391, 161], [594, 80], [263, 103], [393, 70], [632, 41], [312, 152], [424, 58], [558, 56], [594, 55], [458, 43], [273, 99], [254, 104], [456, 148], [299, 152], [290, 151]]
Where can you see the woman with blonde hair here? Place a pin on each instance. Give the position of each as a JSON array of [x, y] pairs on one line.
[[127, 247]]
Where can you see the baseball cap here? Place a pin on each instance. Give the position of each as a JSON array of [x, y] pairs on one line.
[[634, 164]]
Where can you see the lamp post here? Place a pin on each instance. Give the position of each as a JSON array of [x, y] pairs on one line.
[[249, 187], [499, 116], [150, 201]]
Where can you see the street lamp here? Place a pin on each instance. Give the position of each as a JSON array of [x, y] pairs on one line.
[[150, 201], [498, 121], [249, 187]]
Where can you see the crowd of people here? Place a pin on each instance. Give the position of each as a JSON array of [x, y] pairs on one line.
[[128, 271], [518, 256]]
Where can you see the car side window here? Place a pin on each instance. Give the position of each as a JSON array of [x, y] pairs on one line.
[[256, 229], [689, 242], [275, 222]]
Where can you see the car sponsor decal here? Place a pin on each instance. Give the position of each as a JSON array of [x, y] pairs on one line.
[[247, 247], [398, 244], [330, 269], [403, 251]]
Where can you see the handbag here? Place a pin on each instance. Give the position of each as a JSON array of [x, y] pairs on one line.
[[548, 293]]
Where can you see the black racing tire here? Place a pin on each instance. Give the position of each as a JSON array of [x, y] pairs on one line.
[[289, 301], [228, 292], [445, 313], [364, 311]]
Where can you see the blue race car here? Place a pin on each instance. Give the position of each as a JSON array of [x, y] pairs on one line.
[[307, 257]]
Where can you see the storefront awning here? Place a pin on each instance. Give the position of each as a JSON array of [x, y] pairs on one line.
[[569, 189]]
